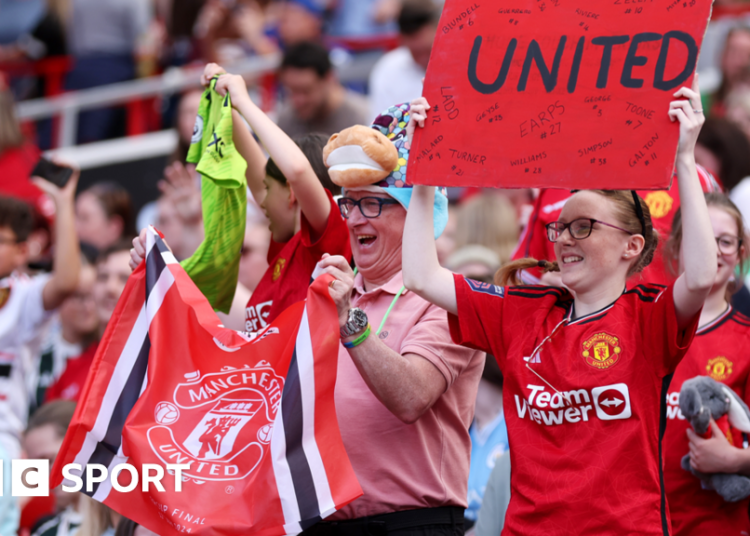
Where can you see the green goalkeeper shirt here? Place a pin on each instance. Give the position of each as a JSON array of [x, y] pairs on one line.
[[214, 267]]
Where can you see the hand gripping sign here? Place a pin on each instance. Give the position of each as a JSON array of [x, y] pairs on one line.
[[251, 418], [556, 93]]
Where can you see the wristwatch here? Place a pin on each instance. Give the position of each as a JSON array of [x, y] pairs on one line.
[[356, 323]]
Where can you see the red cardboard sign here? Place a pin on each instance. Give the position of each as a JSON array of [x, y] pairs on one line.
[[556, 93]]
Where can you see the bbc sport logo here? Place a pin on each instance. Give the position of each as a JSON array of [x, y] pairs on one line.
[[30, 478]]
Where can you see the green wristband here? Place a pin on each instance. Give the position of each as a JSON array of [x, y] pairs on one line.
[[359, 340]]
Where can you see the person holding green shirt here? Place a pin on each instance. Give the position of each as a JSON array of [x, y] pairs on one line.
[[305, 222]]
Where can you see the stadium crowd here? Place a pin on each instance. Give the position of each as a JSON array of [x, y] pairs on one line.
[[433, 455]]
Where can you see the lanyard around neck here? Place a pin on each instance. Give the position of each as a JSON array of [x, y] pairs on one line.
[[390, 307]]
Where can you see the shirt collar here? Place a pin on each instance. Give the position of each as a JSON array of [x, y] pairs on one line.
[[391, 287]]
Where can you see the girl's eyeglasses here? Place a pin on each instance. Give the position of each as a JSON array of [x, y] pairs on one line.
[[728, 244], [579, 229]]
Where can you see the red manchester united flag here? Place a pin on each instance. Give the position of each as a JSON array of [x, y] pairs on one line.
[[251, 418]]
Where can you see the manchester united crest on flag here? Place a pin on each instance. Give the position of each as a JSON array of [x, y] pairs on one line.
[[251, 416], [225, 420], [602, 350]]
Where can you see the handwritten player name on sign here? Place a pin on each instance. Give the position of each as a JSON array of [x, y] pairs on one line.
[[556, 93]]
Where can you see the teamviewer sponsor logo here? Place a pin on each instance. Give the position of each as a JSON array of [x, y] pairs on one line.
[[611, 402]]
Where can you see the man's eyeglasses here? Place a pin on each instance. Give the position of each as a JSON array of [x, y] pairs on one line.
[[370, 207], [728, 244], [578, 229]]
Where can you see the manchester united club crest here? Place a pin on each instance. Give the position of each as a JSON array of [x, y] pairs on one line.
[[277, 268], [602, 350], [659, 203], [220, 424], [719, 368]]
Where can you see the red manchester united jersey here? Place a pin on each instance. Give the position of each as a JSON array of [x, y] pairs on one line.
[[719, 351], [583, 408], [663, 205], [290, 266]]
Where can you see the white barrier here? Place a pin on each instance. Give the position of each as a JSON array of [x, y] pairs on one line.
[[68, 105], [120, 150]]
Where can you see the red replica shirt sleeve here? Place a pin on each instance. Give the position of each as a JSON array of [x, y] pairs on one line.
[[478, 323], [660, 329], [335, 238]]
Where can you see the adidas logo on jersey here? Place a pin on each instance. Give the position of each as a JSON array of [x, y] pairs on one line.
[[608, 403]]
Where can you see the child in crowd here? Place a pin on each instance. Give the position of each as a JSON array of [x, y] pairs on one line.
[[26, 302], [305, 221], [719, 350], [288, 186]]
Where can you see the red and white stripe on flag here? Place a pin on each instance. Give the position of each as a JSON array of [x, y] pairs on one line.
[[252, 415]]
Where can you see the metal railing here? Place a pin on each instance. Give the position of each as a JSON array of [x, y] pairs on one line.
[[68, 105]]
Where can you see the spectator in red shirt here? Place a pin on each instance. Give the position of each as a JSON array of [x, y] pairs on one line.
[[584, 370], [719, 350], [288, 186]]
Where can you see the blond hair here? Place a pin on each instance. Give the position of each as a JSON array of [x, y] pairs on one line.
[[488, 220]]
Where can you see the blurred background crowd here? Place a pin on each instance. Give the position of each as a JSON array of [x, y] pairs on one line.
[[113, 86]]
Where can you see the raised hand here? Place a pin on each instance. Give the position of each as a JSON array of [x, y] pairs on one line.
[[340, 288], [182, 191], [211, 71], [60, 195], [417, 116], [235, 85], [689, 112]]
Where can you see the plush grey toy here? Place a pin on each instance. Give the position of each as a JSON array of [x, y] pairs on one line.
[[703, 398]]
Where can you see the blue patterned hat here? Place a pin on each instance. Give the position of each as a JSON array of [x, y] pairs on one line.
[[392, 124]]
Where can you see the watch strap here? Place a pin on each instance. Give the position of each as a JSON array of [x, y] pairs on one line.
[[359, 340]]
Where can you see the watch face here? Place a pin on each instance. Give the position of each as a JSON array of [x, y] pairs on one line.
[[358, 318]]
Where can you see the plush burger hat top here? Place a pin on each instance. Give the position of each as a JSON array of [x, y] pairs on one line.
[[375, 160]]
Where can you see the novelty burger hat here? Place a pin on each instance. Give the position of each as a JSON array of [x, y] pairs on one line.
[[375, 159]]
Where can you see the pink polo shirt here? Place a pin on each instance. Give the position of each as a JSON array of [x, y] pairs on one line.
[[406, 466]]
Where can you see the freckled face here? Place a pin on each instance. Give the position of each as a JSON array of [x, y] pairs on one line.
[[585, 264], [724, 225]]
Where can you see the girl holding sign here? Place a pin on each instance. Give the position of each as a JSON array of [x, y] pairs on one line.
[[585, 369]]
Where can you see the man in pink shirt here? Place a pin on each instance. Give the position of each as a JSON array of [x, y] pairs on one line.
[[405, 393]]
